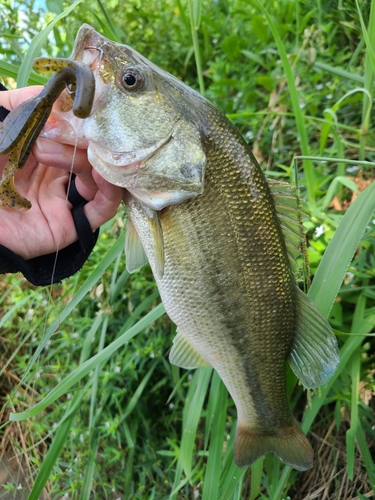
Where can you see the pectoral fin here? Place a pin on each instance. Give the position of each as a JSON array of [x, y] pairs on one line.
[[144, 237], [156, 231], [135, 255], [315, 354], [184, 355]]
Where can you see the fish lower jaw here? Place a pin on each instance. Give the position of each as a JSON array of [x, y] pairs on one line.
[[121, 170], [124, 175]]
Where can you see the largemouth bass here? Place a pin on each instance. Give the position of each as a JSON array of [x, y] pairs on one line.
[[218, 236], [22, 126]]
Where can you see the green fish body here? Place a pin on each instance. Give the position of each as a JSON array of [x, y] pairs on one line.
[[204, 216]]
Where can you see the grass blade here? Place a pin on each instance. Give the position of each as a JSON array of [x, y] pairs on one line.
[[192, 414], [82, 292], [76, 375], [340, 251], [370, 53], [352, 432], [36, 44], [138, 393], [369, 38], [89, 470], [334, 70], [233, 478], [55, 448], [194, 12], [366, 454], [110, 30], [294, 96], [9, 69], [213, 469], [95, 378], [256, 478]]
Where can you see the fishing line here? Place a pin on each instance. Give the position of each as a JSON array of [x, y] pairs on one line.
[[50, 300], [65, 209], [49, 326]]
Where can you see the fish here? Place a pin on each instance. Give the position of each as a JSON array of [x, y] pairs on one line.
[[22, 126], [221, 239]]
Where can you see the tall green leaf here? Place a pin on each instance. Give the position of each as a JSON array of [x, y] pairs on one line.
[[36, 45], [339, 253], [294, 96]]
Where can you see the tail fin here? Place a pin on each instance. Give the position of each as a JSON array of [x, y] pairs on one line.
[[289, 444]]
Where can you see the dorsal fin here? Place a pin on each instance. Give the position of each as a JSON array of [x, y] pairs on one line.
[[287, 205]]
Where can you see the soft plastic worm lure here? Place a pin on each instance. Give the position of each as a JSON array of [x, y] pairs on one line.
[[23, 125]]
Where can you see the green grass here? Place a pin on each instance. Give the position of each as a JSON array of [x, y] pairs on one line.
[[87, 391]]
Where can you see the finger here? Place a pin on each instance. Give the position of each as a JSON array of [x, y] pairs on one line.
[[13, 98], [65, 157], [105, 203]]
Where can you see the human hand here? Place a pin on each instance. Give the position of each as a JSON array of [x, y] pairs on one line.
[[48, 225]]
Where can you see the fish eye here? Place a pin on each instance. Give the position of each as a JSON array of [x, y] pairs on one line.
[[132, 79]]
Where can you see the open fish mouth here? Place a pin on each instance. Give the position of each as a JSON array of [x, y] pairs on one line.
[[120, 168]]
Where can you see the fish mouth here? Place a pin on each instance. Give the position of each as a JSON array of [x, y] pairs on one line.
[[117, 167], [122, 168]]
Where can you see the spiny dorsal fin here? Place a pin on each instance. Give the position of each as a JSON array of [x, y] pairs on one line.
[[134, 252], [184, 355], [289, 212], [315, 354]]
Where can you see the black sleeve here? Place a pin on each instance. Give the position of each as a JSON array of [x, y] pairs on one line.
[[4, 112], [52, 268]]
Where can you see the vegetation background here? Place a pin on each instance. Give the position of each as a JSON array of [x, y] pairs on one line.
[[90, 406]]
